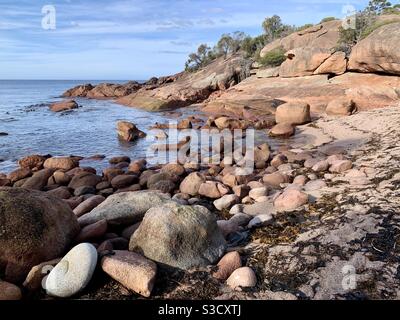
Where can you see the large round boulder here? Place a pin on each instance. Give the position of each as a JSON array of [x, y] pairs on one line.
[[124, 208], [34, 227], [179, 236]]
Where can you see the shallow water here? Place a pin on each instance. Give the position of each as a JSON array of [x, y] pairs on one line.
[[33, 129]]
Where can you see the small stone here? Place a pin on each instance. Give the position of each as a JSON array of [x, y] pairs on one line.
[[132, 270], [92, 231], [282, 130], [34, 278], [242, 278], [258, 193], [210, 190], [227, 265], [340, 166], [321, 166], [227, 227], [73, 273], [300, 180], [290, 200], [84, 190], [226, 202], [191, 184], [315, 185], [261, 220], [275, 179], [123, 181]]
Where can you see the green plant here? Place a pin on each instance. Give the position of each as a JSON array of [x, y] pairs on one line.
[[327, 19], [304, 27], [376, 25], [273, 58]]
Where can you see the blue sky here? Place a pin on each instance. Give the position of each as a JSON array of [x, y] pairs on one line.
[[130, 39]]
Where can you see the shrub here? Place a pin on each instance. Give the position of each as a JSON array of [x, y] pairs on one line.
[[327, 19], [375, 26], [273, 58], [306, 26]]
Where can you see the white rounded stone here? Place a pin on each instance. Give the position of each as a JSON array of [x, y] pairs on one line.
[[73, 273]]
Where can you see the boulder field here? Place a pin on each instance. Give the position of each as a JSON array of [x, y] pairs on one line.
[[210, 222]]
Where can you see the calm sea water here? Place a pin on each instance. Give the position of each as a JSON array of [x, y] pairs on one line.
[[33, 129], [90, 130]]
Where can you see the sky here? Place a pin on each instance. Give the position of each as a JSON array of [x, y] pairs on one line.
[[131, 39]]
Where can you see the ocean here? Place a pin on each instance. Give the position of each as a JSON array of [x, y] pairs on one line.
[[33, 129]]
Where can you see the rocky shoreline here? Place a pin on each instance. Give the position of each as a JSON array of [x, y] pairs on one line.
[[315, 219], [284, 232]]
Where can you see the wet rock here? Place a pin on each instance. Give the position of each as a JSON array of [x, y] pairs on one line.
[[174, 169], [73, 273], [19, 174], [128, 131], [131, 270], [39, 180], [61, 163], [64, 106], [116, 160], [84, 179], [32, 162], [179, 236], [321, 166]]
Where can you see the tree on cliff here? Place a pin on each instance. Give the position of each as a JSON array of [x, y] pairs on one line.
[[230, 43], [202, 57], [274, 28]]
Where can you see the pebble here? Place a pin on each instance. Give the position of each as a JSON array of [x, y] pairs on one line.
[[9, 291], [73, 273], [226, 201], [242, 278], [227, 265], [260, 220]]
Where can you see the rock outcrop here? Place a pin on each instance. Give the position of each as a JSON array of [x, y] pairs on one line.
[[34, 227], [191, 87], [324, 36], [378, 52]]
